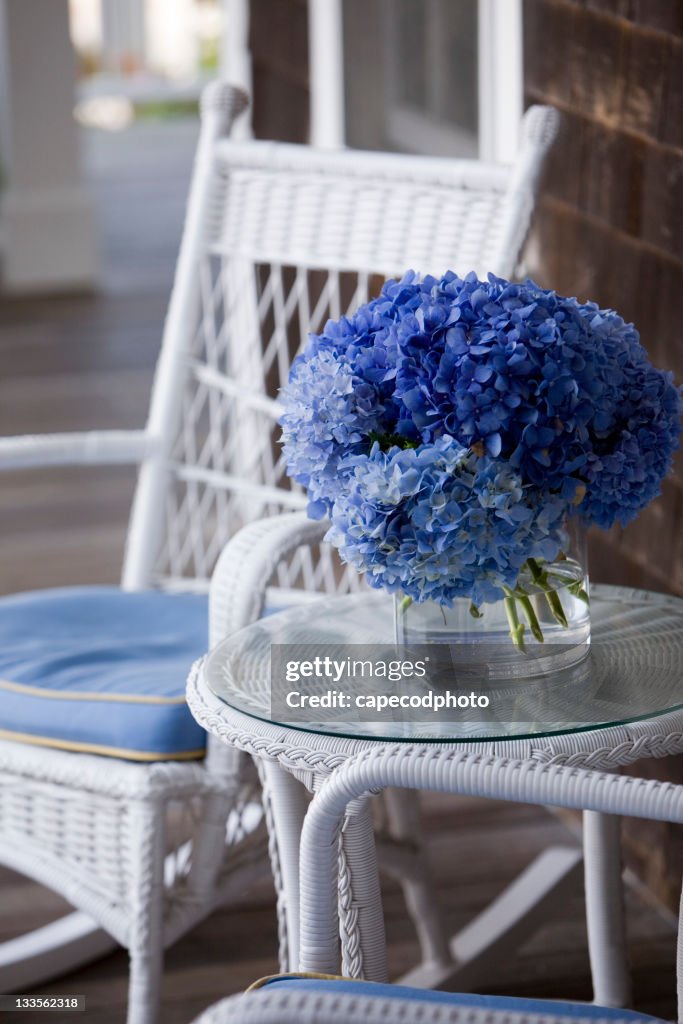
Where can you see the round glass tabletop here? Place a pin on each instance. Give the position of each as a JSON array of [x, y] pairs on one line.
[[634, 671]]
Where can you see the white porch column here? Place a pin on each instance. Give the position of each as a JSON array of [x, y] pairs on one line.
[[236, 59], [48, 226], [326, 60], [501, 78]]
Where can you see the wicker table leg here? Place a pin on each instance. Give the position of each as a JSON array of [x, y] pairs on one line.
[[605, 909], [146, 949], [285, 803], [361, 918]]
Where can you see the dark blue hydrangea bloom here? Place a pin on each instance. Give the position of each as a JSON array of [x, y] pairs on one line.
[[520, 383], [625, 470]]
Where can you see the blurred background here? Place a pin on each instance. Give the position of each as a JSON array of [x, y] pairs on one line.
[[98, 123]]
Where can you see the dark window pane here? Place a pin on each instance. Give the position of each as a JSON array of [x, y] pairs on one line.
[[411, 75]]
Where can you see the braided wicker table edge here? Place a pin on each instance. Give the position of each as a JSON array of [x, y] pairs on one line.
[[605, 748]]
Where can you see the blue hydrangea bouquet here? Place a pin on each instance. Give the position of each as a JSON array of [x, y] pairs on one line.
[[452, 428]]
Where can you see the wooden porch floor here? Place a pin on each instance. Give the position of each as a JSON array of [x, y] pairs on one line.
[[476, 847], [86, 361]]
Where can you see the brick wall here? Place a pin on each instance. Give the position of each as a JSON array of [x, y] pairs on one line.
[[610, 228]]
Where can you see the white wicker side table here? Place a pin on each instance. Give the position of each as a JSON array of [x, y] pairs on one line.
[[626, 704]]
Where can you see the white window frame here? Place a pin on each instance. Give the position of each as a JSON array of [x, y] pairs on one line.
[[409, 128], [326, 73], [500, 83]]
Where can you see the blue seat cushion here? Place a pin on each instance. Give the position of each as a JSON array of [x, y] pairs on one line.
[[466, 1000], [101, 670]]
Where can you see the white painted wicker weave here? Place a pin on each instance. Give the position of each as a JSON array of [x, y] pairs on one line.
[[239, 590], [429, 768], [292, 1007], [276, 239]]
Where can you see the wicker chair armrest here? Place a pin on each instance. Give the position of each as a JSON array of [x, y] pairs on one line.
[[240, 579], [451, 770], [87, 448]]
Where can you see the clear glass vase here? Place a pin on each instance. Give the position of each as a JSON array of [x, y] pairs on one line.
[[541, 626]]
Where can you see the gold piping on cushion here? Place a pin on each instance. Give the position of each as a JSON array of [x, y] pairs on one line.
[[293, 977], [95, 748], [114, 698]]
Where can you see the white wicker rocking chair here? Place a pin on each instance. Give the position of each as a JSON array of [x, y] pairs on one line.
[[276, 239]]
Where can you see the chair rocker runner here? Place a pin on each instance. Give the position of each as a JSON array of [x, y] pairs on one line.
[[148, 839]]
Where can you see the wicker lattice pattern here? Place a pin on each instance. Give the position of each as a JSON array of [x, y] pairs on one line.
[[289, 239], [228, 469]]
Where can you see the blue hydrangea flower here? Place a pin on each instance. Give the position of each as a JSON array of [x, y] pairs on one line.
[[439, 522], [330, 413], [538, 379], [450, 426], [624, 471]]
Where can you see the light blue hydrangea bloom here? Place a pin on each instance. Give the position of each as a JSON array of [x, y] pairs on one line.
[[439, 522]]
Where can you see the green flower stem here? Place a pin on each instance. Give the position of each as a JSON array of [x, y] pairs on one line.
[[516, 627], [540, 578], [530, 613], [475, 612], [405, 604], [576, 590], [574, 586]]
